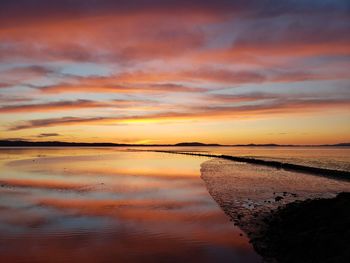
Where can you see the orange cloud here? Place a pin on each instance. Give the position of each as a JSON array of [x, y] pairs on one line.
[[74, 105], [178, 52], [134, 35], [52, 106], [117, 88], [141, 82], [281, 106]]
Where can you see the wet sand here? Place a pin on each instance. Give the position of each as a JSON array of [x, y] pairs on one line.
[[249, 194]]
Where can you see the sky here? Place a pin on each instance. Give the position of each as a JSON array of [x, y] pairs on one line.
[[158, 71]]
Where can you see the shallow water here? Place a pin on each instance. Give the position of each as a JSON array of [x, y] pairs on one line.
[[337, 158], [106, 205]]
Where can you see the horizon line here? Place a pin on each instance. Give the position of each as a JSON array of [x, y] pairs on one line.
[[18, 142]]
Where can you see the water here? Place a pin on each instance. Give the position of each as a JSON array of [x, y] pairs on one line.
[[108, 205], [337, 158]]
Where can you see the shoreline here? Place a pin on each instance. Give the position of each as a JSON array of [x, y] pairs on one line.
[[254, 196]]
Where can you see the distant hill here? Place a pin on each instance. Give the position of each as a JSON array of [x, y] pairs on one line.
[[290, 145], [344, 144], [21, 143], [195, 144]]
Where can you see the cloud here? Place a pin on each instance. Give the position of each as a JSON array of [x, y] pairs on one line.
[[13, 99], [125, 39], [142, 82], [178, 53], [124, 32], [224, 76], [44, 135], [23, 75], [4, 85], [38, 9], [220, 99], [281, 106], [73, 105], [51, 106], [33, 70], [115, 87]]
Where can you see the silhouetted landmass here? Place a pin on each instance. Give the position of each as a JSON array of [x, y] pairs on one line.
[[263, 145], [345, 144], [196, 144], [308, 231], [6, 143], [22, 143]]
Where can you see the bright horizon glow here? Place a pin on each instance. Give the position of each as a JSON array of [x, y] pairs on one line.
[[164, 72]]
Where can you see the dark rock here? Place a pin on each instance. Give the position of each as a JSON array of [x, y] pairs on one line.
[[278, 198], [308, 231]]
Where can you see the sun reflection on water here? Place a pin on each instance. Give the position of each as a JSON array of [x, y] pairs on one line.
[[98, 205]]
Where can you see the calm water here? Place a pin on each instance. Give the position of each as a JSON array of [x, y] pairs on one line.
[[106, 205], [324, 157]]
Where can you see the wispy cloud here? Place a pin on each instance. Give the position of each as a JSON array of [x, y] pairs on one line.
[[104, 87], [142, 82], [208, 113], [52, 106], [71, 105], [45, 135]]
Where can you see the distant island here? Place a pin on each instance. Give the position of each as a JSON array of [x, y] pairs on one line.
[[196, 144], [22, 143]]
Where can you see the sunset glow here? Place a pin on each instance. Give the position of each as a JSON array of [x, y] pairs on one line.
[[160, 72]]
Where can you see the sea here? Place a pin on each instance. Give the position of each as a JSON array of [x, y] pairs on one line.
[[118, 204]]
